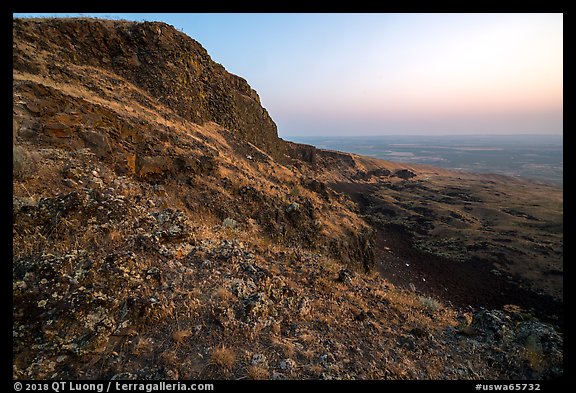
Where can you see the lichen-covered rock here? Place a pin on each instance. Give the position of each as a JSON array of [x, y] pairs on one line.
[[171, 225], [259, 359], [293, 207], [255, 306], [494, 324], [287, 365]]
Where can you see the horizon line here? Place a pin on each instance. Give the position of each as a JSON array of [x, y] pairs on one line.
[[426, 135]]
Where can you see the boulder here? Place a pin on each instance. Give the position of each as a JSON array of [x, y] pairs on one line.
[[404, 174], [153, 167]]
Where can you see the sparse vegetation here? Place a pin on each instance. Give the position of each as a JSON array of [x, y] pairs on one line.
[[430, 304], [229, 223], [208, 264], [180, 335], [534, 354], [223, 358], [258, 373]]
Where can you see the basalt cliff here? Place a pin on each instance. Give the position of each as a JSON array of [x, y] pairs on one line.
[[163, 230]]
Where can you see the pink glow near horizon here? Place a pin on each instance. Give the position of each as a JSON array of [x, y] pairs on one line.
[[505, 73], [350, 74]]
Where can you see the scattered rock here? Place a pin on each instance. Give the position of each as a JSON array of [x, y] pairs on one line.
[[304, 307], [171, 225], [224, 315], [404, 174], [293, 207], [276, 376], [255, 306], [492, 323], [345, 276], [326, 360], [259, 359], [287, 365]]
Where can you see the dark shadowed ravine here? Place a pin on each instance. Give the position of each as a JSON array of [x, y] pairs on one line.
[[469, 284]]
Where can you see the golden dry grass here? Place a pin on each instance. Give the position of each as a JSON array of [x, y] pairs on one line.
[[223, 358], [181, 335], [142, 346], [257, 373], [222, 294]]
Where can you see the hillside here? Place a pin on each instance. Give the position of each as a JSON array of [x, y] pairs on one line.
[[163, 230]]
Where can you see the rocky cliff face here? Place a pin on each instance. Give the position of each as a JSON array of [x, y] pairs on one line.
[[162, 230], [156, 58]]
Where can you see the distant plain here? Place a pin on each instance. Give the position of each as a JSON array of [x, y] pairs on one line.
[[533, 157]]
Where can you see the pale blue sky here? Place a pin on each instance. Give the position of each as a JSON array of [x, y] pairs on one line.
[[369, 74]]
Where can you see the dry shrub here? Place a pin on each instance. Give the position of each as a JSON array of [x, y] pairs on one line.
[[222, 294], [306, 338], [316, 370], [223, 358], [115, 236], [287, 347], [180, 335], [143, 345], [170, 358], [430, 304], [308, 353], [258, 373]]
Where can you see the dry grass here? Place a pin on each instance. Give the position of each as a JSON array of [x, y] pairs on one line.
[[430, 304], [287, 347], [142, 346], [276, 328], [306, 338], [257, 373], [170, 358], [326, 286], [533, 354], [379, 294], [330, 265], [91, 239], [222, 294], [316, 370], [224, 358], [115, 236], [180, 335]]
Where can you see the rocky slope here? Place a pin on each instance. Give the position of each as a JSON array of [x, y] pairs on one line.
[[163, 230], [154, 58]]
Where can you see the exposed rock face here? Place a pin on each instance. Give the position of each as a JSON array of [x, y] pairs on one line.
[[163, 62], [405, 174]]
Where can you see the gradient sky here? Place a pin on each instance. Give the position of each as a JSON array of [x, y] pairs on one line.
[[390, 74]]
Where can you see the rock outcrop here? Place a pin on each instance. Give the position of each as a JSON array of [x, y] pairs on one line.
[[156, 58]]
